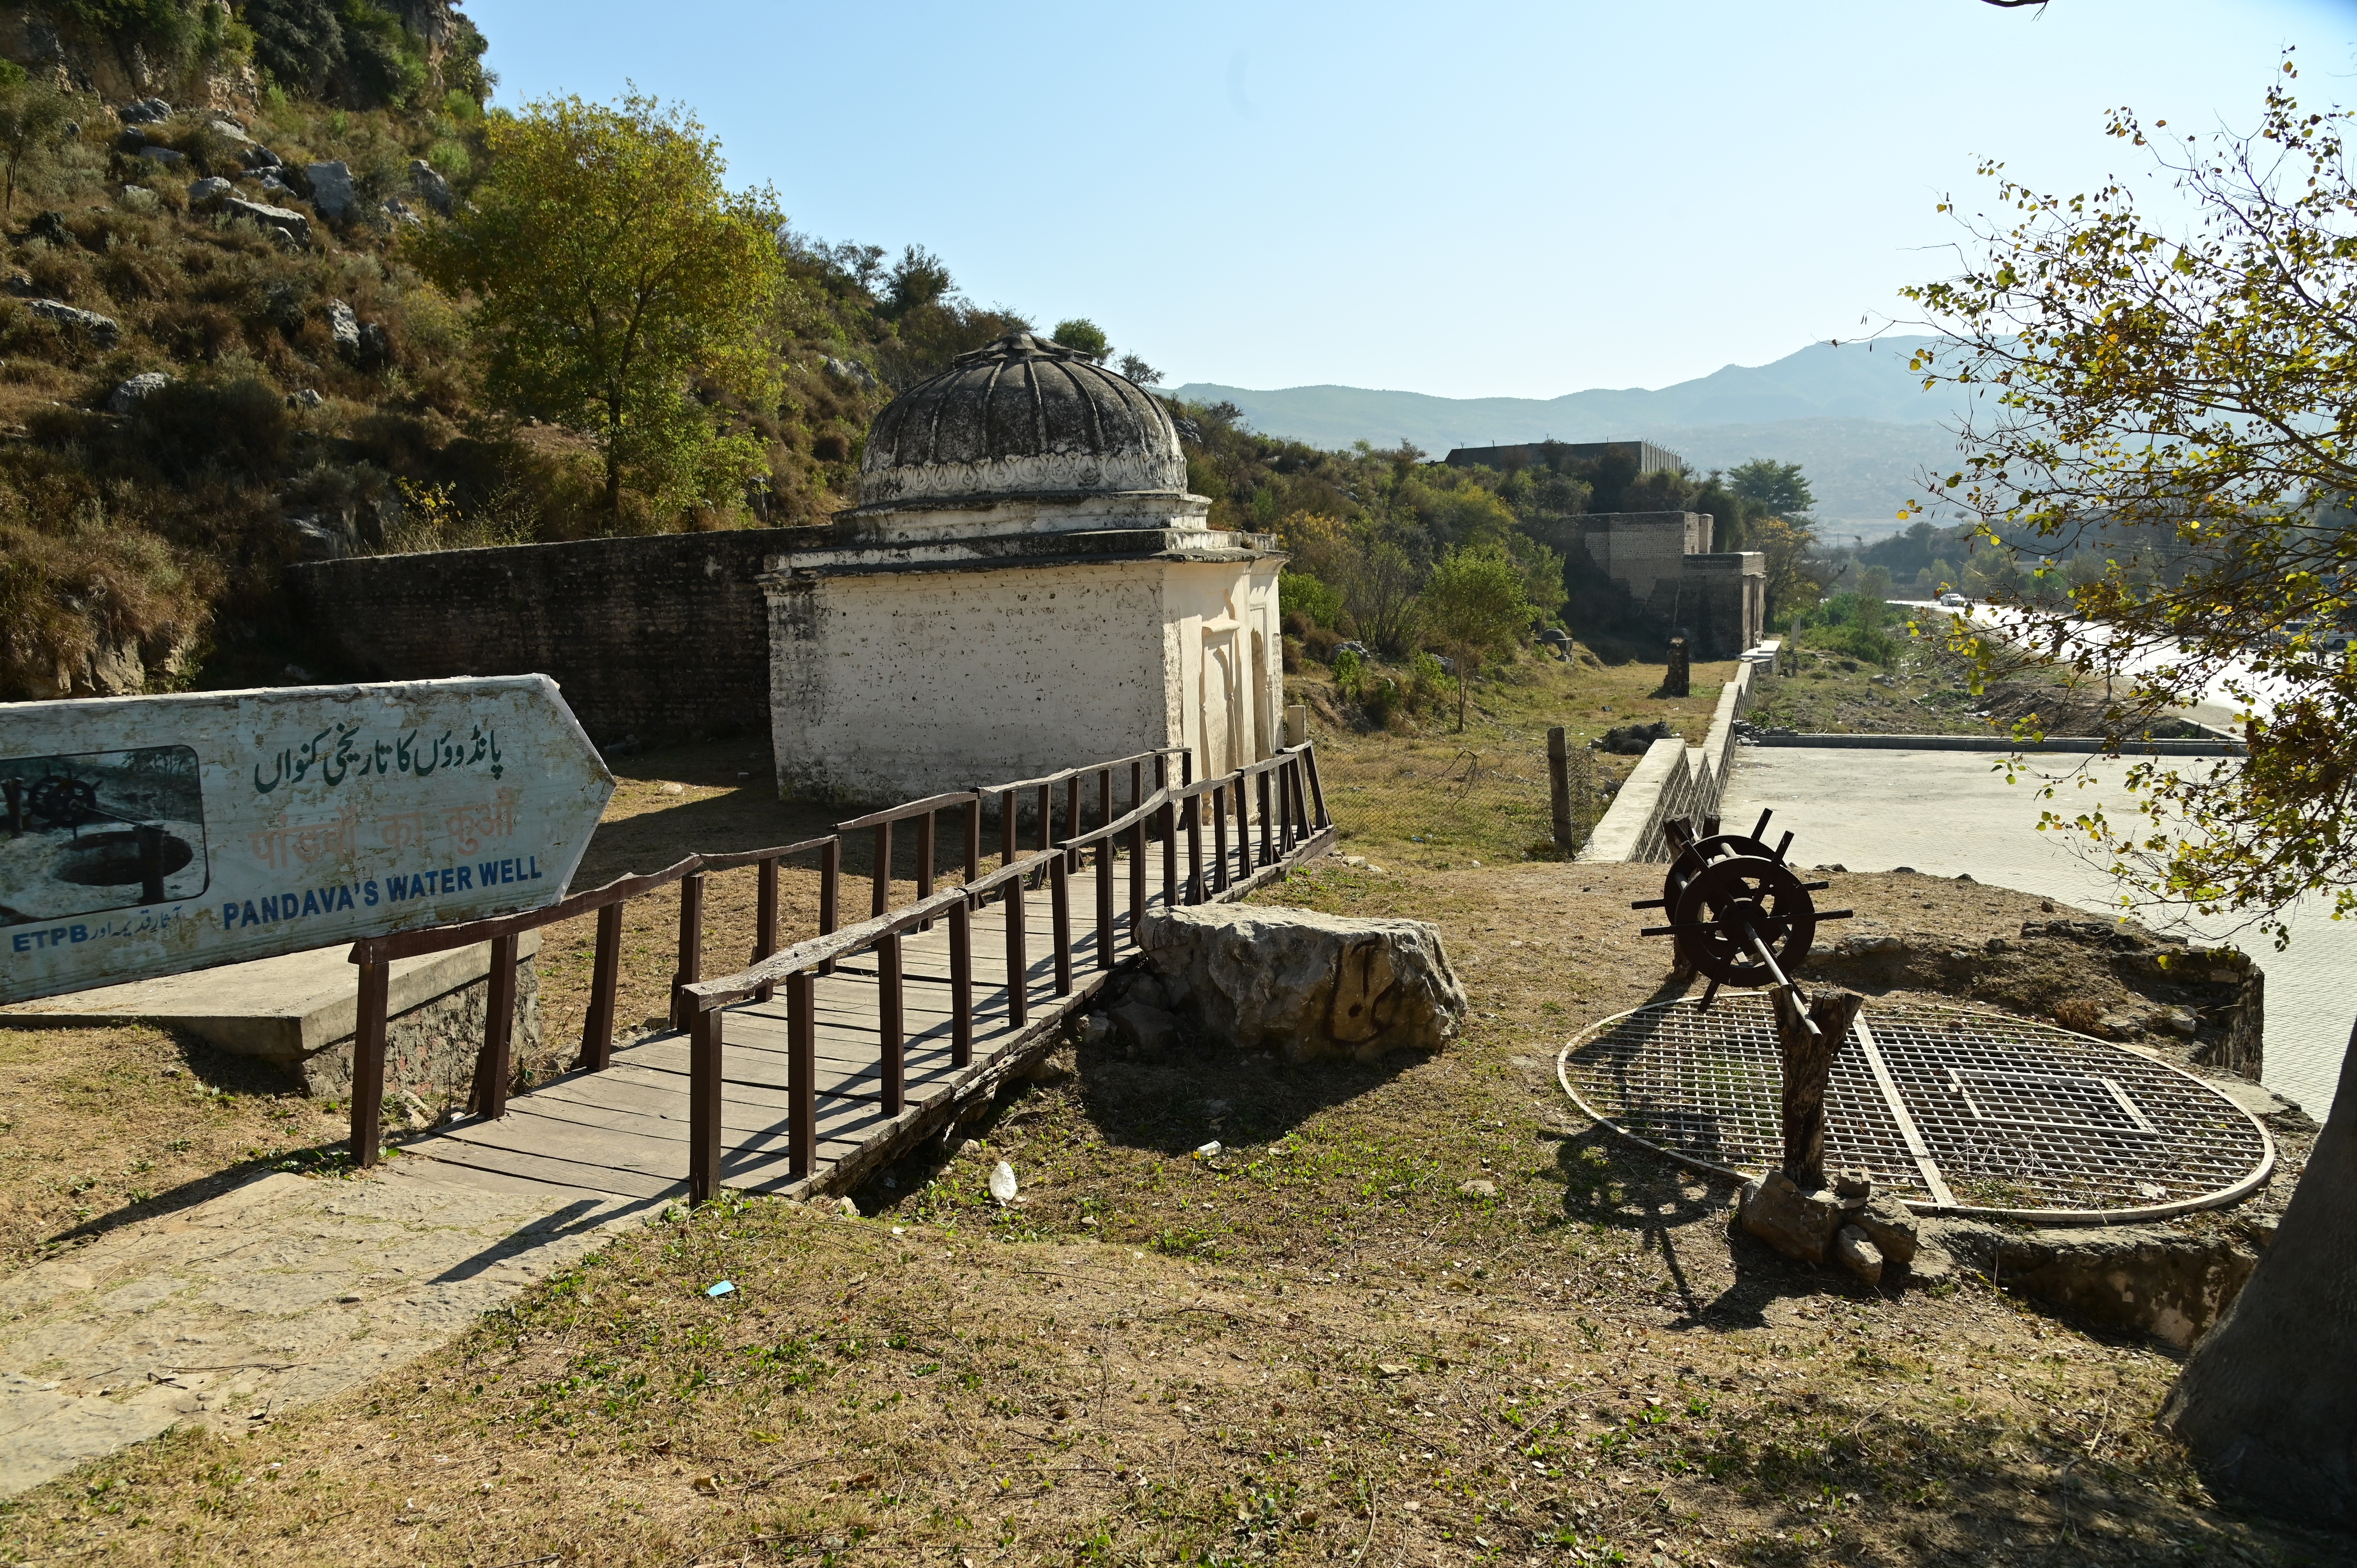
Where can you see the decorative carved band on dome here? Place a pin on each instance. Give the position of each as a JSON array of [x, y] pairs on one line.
[[1061, 473], [1018, 416]]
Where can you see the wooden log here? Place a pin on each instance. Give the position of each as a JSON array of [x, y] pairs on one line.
[[961, 986], [1808, 1044]]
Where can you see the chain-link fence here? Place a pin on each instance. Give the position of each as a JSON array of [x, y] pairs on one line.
[[1450, 800]]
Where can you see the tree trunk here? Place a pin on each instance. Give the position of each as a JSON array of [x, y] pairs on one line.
[[2268, 1403], [1808, 1069]]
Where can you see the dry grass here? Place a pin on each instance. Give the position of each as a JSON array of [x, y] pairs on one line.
[[1430, 796], [102, 1126], [1311, 1349]]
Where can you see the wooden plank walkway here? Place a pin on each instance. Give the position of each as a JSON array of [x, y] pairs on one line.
[[625, 1130]]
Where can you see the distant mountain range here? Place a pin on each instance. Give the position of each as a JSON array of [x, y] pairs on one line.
[[1856, 419]]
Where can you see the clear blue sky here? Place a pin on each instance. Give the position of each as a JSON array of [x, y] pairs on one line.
[[1466, 199]]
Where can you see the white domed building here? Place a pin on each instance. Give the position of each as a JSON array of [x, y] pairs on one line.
[[1026, 585]]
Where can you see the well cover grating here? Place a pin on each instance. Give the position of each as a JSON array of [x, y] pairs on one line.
[[1955, 1111]]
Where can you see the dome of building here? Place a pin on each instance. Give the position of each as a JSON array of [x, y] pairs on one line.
[[1020, 416]]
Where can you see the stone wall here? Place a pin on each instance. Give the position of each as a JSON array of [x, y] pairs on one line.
[[661, 638], [1674, 779]]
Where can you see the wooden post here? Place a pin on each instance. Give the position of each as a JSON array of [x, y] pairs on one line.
[[1104, 901], [1018, 963], [704, 1096], [891, 1036], [1808, 1068], [691, 948], [1559, 788], [765, 922], [1105, 812], [1137, 877], [1007, 848], [925, 855], [605, 980], [1194, 849], [368, 1064], [960, 984], [830, 875], [882, 899], [1059, 921], [1267, 844], [489, 1099], [1219, 838], [1169, 823], [1284, 810], [1137, 784], [1071, 815], [801, 1075], [1318, 817], [1243, 831], [973, 840]]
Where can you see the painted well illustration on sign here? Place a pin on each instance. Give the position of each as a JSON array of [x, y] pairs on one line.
[[102, 830]]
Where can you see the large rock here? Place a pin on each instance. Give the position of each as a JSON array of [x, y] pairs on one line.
[[102, 329], [127, 395], [1315, 986], [431, 188], [205, 192], [333, 195], [344, 327], [277, 220], [1800, 1224]]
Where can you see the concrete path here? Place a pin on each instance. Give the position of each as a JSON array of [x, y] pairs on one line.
[[285, 1290], [1950, 811]]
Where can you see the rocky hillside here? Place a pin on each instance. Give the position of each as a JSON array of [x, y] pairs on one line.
[[215, 359]]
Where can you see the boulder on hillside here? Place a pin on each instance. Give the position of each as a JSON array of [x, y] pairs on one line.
[[344, 327], [1313, 986], [281, 221], [206, 192], [102, 329], [127, 396], [431, 188], [144, 112], [333, 195]]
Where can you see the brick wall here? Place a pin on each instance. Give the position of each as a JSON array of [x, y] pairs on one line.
[[664, 636]]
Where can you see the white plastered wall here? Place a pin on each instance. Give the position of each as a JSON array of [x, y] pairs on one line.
[[891, 685]]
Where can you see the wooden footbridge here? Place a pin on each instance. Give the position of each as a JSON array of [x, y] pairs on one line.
[[831, 1056]]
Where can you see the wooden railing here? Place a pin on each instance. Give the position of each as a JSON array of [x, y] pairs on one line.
[[1291, 814]]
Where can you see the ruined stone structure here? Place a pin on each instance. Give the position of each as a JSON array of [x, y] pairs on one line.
[[1026, 567], [1667, 579]]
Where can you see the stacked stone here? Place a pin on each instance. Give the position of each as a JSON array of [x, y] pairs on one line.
[[1847, 1225]]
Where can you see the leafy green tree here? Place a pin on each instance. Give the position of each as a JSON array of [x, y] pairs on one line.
[[1786, 544], [1138, 371], [919, 279], [2188, 391], [1084, 335], [1475, 603], [610, 268], [1775, 489], [32, 117]]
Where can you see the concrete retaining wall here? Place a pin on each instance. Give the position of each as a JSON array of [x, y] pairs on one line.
[[1677, 780]]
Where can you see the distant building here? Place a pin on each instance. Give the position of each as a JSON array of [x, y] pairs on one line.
[[1655, 575], [1531, 453]]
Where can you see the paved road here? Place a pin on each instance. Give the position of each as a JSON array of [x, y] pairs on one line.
[[1950, 811]]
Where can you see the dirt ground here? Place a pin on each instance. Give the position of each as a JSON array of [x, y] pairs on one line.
[[1313, 1348]]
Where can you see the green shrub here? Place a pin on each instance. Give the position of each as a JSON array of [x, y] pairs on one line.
[[1298, 592]]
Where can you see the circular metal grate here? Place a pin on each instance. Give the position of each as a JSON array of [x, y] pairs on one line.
[[1954, 1110]]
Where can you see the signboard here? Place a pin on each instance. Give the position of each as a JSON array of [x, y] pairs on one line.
[[151, 835]]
